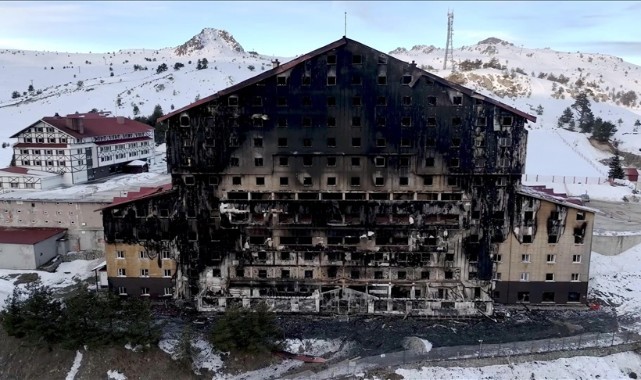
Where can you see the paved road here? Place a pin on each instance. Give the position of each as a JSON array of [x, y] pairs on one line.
[[617, 216]]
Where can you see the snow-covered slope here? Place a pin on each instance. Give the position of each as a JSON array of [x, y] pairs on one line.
[[126, 80], [117, 81]]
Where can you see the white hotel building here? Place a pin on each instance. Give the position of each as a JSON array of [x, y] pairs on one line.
[[73, 149]]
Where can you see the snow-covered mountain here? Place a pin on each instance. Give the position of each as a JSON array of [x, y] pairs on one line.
[[37, 84]]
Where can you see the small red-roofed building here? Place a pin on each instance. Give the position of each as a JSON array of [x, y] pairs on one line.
[[631, 174], [82, 147], [29, 248]]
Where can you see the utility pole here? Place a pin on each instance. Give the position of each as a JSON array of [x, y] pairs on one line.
[[449, 46]]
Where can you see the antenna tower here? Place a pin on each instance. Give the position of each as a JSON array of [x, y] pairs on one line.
[[345, 34], [449, 46]]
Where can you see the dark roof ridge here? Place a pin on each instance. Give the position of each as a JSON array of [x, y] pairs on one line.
[[344, 40]]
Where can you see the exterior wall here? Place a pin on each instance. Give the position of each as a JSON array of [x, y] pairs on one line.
[[133, 280], [510, 291], [133, 286], [46, 249], [15, 181], [17, 256], [84, 225], [521, 255]]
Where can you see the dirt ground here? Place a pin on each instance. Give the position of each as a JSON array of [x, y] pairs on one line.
[[21, 361], [375, 335], [370, 335]]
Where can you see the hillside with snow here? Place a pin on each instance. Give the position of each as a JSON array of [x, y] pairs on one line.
[[541, 82]]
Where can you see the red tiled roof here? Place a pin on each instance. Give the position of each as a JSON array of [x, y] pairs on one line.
[[15, 169], [28, 171], [33, 235], [111, 142], [284, 67], [94, 125], [144, 192], [36, 145]]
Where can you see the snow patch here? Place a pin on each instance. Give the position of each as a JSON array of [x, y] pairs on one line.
[[115, 375], [136, 348], [428, 345], [206, 358], [617, 366], [313, 347], [75, 367], [67, 274]]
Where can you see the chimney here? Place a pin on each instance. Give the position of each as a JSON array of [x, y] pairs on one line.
[[413, 65], [75, 124], [120, 119], [275, 63]]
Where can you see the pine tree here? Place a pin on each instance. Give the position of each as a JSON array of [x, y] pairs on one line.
[[539, 110], [585, 118], [155, 115], [242, 330], [567, 119], [637, 124], [602, 131], [616, 171], [83, 322], [184, 351], [12, 316], [139, 322], [34, 314]]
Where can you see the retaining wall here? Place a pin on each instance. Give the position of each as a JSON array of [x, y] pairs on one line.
[[614, 245]]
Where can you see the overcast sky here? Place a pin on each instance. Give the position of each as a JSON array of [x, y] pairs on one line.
[[291, 28]]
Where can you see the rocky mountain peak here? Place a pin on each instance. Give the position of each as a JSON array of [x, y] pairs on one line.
[[210, 37]]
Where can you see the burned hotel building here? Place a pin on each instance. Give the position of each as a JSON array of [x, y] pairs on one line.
[[344, 181]]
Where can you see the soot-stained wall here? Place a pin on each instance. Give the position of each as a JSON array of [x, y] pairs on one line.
[[344, 151]]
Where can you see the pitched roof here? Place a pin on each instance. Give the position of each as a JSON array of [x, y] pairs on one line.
[[343, 41], [544, 193], [27, 235], [36, 145], [144, 192], [92, 125], [27, 171]]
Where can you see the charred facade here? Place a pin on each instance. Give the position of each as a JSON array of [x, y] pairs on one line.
[[345, 181]]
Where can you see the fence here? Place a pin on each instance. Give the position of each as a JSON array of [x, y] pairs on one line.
[[536, 178], [580, 154], [480, 351]]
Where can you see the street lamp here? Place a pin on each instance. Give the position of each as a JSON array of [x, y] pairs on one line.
[[480, 347]]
